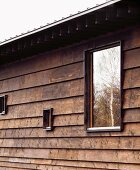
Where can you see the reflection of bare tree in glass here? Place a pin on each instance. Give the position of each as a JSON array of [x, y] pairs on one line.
[[107, 87]]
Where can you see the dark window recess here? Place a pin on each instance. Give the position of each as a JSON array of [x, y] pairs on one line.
[[48, 119], [2, 105]]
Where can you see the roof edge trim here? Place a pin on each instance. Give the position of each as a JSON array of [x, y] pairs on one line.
[[61, 21]]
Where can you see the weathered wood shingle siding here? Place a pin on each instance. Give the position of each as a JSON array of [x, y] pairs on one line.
[[56, 79]]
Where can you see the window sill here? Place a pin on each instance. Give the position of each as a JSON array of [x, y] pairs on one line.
[[2, 113], [48, 128], [104, 129]]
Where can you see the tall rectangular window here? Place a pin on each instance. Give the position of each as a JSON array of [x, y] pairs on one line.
[[103, 89]]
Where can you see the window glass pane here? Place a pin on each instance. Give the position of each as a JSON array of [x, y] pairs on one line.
[[106, 87]]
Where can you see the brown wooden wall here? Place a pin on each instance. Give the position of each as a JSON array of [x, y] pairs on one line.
[[56, 79]]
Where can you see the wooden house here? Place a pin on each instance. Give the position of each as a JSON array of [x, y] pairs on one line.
[[61, 105]]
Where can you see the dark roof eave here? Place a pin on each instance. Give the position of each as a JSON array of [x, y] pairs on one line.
[[61, 21], [109, 18]]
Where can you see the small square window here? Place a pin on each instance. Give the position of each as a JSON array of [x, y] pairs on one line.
[[2, 105], [103, 89]]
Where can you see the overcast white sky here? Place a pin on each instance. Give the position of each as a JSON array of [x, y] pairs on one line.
[[19, 16]]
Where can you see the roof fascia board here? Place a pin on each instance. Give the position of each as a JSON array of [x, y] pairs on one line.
[[62, 21]]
